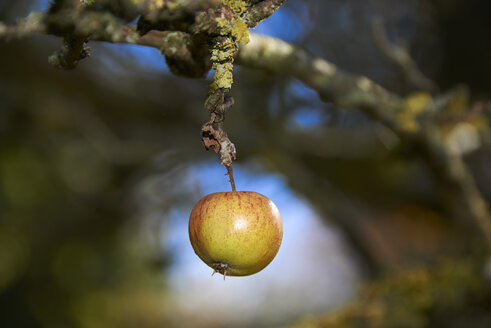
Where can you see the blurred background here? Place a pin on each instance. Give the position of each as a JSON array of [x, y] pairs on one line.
[[101, 166]]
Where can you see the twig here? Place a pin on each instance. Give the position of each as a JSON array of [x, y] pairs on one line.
[[214, 136], [261, 11], [72, 51], [399, 55], [74, 47], [29, 25]]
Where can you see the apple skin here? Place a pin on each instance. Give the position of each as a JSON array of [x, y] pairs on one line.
[[236, 233]]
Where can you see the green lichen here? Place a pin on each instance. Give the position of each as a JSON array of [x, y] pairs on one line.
[[223, 78], [172, 41], [173, 5], [236, 28], [222, 56], [224, 51], [234, 31], [238, 6], [153, 5], [240, 32], [224, 25], [414, 106]]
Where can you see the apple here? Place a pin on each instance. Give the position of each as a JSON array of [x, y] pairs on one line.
[[236, 233]]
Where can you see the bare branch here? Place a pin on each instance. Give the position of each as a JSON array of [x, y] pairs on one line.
[[214, 136], [399, 55]]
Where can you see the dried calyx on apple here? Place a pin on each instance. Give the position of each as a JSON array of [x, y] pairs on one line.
[[236, 233]]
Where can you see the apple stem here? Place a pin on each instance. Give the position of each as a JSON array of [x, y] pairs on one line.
[[230, 174]]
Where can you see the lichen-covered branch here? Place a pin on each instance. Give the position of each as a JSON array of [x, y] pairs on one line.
[[74, 47], [216, 26], [72, 51], [185, 55], [29, 25], [345, 90], [260, 11]]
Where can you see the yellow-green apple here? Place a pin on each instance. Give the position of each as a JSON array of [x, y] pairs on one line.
[[236, 233]]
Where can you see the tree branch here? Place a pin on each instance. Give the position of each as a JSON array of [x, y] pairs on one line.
[[72, 51], [399, 55], [261, 11], [332, 84], [32, 24]]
